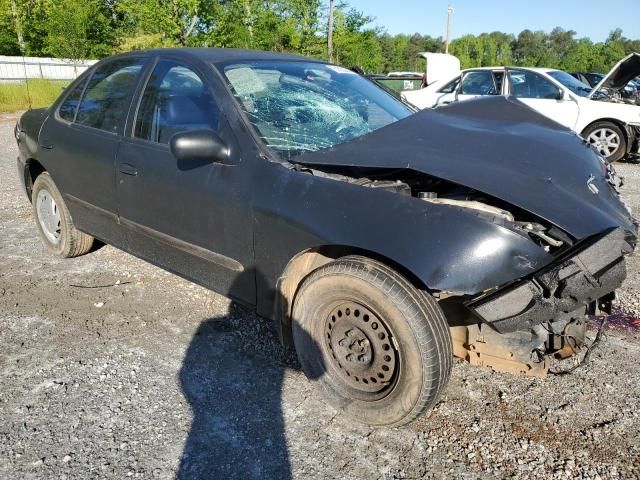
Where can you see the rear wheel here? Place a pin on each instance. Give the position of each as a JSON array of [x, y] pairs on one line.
[[378, 348], [54, 222], [608, 139]]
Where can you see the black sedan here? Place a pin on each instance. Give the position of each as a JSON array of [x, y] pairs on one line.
[[381, 242]]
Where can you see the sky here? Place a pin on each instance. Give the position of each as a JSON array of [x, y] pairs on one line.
[[589, 18]]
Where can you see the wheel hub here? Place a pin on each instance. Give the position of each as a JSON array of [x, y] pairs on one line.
[[361, 347], [355, 348], [605, 140], [48, 216]]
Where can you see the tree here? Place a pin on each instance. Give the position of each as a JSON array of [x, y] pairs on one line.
[[10, 33], [580, 57], [354, 45], [532, 49], [560, 43], [77, 29], [157, 23], [97, 28], [469, 49], [330, 31]]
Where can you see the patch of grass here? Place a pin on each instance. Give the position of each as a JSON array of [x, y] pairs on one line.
[[14, 97]]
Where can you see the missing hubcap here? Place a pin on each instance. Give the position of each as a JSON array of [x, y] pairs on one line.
[[361, 347]]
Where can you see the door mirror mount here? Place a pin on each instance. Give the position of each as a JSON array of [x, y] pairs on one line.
[[195, 148]]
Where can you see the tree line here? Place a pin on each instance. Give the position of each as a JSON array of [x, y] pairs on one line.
[[80, 29]]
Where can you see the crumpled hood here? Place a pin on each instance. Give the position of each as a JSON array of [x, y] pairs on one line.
[[625, 70], [503, 148]]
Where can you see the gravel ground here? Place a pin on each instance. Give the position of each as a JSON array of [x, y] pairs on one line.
[[155, 377]]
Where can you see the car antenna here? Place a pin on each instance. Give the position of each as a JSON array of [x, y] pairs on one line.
[[26, 78]]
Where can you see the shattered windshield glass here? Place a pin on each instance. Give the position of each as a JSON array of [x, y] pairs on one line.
[[304, 106]]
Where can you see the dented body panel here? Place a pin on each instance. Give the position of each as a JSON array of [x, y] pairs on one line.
[[445, 247]]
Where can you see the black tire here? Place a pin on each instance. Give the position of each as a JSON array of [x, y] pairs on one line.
[[70, 241], [330, 321], [603, 126]]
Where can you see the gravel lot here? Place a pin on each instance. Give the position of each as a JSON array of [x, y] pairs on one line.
[[155, 377]]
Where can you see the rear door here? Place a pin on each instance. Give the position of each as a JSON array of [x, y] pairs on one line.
[[542, 95], [78, 144], [193, 219]]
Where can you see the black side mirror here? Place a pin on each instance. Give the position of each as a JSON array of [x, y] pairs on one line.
[[198, 147], [560, 94]]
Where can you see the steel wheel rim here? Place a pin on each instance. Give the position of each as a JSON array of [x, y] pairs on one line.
[[605, 140], [49, 216], [361, 350]]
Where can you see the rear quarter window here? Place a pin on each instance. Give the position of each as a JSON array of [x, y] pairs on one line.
[[67, 110]]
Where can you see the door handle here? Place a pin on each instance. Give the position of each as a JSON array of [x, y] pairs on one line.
[[128, 169]]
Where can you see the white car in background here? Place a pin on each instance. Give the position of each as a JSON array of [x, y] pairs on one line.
[[600, 114]]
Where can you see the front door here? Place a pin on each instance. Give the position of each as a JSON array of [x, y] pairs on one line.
[[543, 96], [193, 219]]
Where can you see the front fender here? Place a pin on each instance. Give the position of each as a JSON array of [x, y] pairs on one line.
[[444, 247]]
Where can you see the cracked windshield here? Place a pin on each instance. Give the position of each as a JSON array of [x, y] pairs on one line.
[[302, 106]]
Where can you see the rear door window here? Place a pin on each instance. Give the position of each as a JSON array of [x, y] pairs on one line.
[[108, 94]]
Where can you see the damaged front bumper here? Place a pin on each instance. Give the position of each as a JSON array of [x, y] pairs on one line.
[[573, 282], [633, 134], [524, 323]]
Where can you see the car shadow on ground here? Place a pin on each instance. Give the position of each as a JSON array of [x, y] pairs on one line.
[[234, 390]]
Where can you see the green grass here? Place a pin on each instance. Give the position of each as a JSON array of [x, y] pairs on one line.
[[14, 97]]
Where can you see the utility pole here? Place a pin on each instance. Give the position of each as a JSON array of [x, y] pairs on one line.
[[449, 15], [330, 32]]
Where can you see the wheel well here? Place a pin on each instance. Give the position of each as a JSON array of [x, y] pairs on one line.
[[616, 122], [32, 169], [305, 262]]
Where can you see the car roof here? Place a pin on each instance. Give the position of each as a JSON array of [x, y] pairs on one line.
[[216, 55], [533, 69]]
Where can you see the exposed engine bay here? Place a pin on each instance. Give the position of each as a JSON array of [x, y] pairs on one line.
[[625, 95], [620, 84], [441, 192]]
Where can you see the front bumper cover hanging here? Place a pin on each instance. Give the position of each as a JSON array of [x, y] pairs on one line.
[[575, 280]]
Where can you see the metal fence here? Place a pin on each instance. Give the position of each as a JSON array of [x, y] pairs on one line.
[[17, 69]]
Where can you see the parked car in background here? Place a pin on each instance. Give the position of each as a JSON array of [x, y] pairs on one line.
[[405, 74], [598, 114], [629, 91], [370, 234]]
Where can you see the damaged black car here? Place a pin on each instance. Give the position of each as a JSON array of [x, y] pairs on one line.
[[381, 241]]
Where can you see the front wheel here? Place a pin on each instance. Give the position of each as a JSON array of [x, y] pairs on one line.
[[378, 348], [608, 139], [55, 226]]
